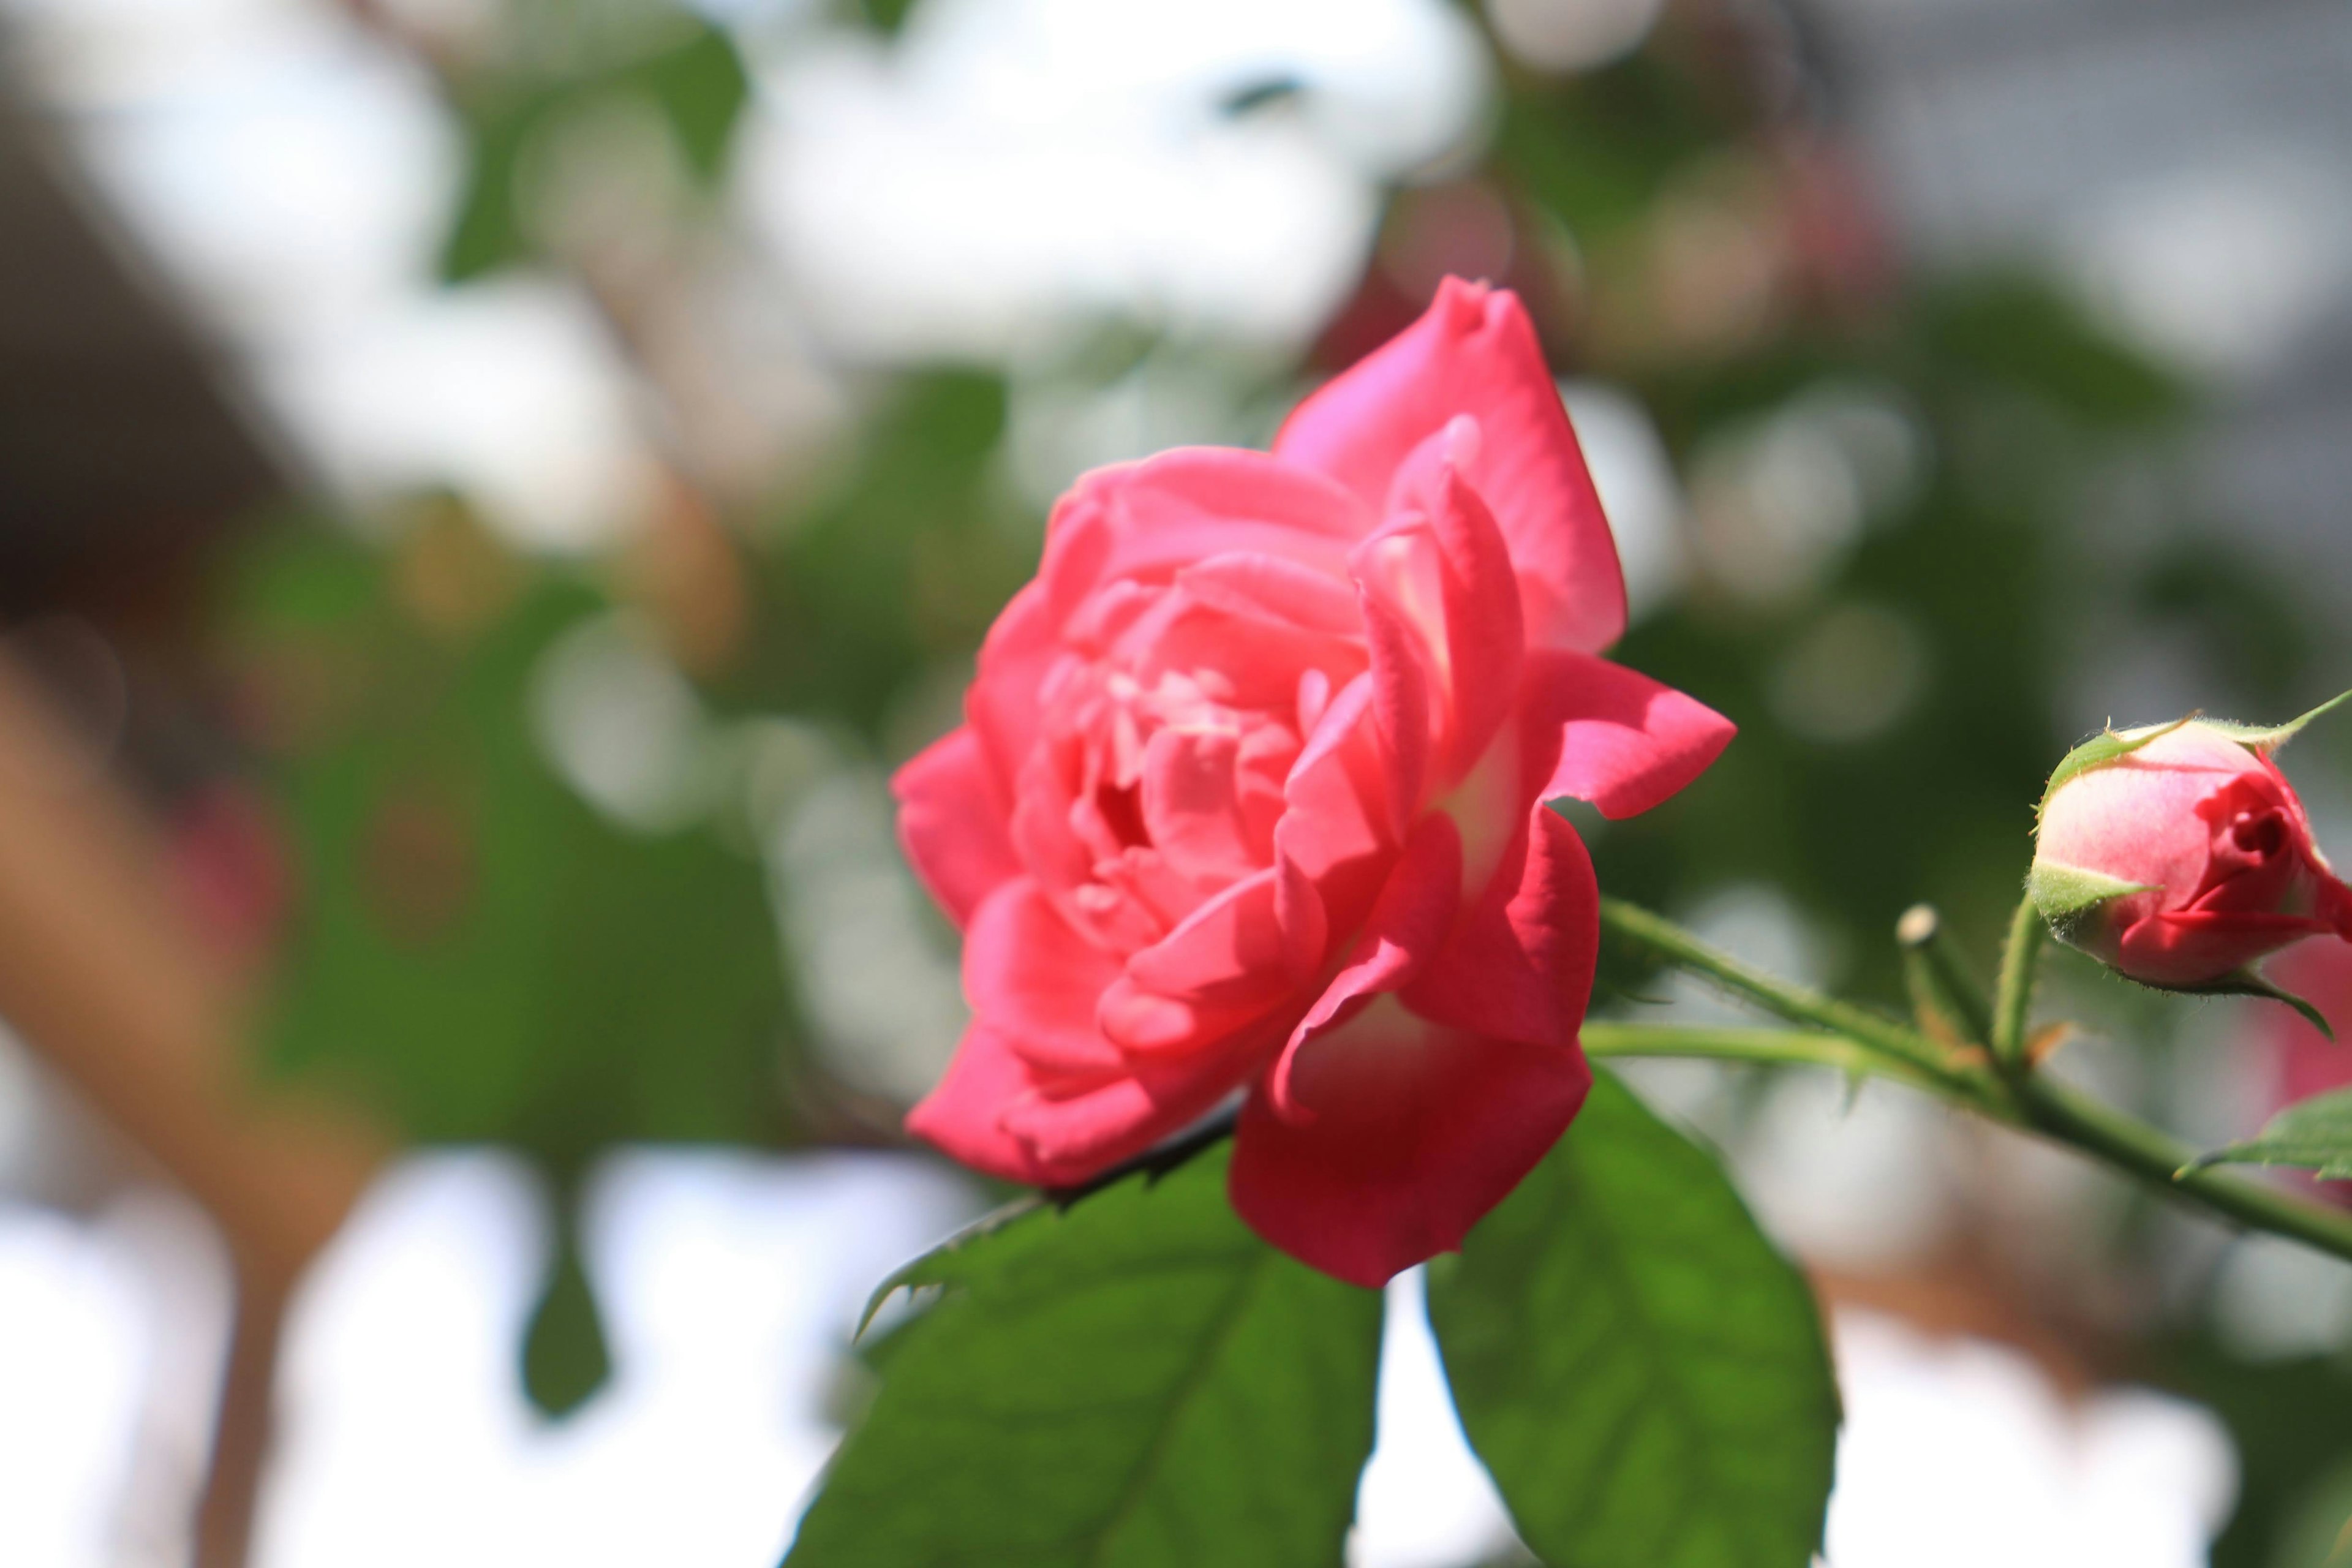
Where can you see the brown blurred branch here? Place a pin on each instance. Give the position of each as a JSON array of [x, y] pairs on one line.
[[103, 978]]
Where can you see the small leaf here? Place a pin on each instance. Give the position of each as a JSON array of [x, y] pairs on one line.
[[1137, 1381], [2101, 748], [1641, 1372], [2312, 1134], [2268, 739]]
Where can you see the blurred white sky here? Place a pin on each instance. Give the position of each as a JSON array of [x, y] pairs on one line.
[[1006, 171], [729, 1284]]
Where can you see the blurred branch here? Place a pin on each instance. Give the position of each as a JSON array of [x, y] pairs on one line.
[[101, 978]]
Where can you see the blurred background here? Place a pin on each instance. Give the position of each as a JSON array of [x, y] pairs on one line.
[[488, 489]]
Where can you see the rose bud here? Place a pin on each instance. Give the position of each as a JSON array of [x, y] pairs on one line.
[[1251, 798], [2178, 855]]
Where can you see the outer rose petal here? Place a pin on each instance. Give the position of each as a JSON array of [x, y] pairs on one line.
[[1440, 570], [1411, 918], [1148, 520], [1475, 352], [1335, 830], [1033, 981], [1602, 732], [995, 1112], [1417, 1132], [952, 820], [963, 1116], [1518, 964]]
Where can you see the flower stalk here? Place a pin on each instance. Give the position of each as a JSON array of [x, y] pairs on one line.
[[1856, 1040]]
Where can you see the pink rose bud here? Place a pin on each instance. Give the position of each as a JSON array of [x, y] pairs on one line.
[[1252, 801], [2180, 854]]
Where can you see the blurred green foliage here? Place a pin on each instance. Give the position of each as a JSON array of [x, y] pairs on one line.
[[896, 566], [474, 951], [683, 69]]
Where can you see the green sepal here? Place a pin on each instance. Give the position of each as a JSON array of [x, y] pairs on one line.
[[2267, 738], [2247, 981], [2314, 1134], [2105, 747], [2067, 894]]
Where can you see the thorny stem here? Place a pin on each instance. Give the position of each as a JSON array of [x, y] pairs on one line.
[[2013, 997], [2016, 1096], [1862, 1043]]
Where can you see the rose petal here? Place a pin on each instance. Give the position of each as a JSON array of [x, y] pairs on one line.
[[1417, 1132], [1518, 964], [1335, 830], [1072, 1137], [1191, 804], [995, 1112], [1401, 701], [1034, 982], [1439, 568], [1270, 588], [1003, 706], [1604, 733], [1474, 351], [953, 821], [1244, 948], [1410, 919], [1150, 520], [963, 1116]]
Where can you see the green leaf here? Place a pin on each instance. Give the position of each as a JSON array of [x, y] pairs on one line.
[[2312, 1134], [2269, 737], [1643, 1374], [2102, 747], [1137, 1381]]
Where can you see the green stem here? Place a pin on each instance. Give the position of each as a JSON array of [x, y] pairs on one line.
[[1858, 1040], [2014, 995], [1806, 1047], [1939, 977], [1798, 1004], [2069, 1117]]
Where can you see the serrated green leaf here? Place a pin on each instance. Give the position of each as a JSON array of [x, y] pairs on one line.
[[2269, 737], [1641, 1372], [2312, 1134], [1137, 1381], [2102, 747]]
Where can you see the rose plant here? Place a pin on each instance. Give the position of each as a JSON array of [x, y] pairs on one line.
[[1253, 797], [1249, 831]]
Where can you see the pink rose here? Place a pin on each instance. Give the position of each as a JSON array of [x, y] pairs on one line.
[[1251, 798], [2182, 862]]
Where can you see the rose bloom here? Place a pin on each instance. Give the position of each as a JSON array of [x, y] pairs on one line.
[[2216, 837], [1250, 800]]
